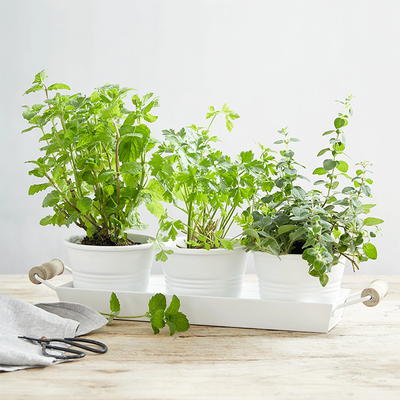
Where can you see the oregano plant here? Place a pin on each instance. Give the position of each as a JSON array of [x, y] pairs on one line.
[[328, 225], [94, 164]]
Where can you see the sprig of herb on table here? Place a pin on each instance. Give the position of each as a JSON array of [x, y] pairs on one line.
[[158, 314]]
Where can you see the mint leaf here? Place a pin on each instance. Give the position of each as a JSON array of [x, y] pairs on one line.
[[157, 302], [178, 322], [51, 199], [115, 306], [84, 204], [38, 188], [173, 306], [157, 321], [171, 326], [56, 86]]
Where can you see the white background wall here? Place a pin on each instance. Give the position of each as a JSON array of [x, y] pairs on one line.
[[276, 63]]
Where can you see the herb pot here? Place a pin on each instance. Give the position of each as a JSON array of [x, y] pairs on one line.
[[111, 267], [287, 279], [200, 272]]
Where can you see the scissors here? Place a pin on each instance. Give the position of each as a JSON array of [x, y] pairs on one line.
[[46, 344]]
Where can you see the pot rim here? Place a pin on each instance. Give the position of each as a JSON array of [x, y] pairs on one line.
[[171, 245], [71, 243], [265, 254]]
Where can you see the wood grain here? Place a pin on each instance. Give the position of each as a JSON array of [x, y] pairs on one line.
[[358, 359]]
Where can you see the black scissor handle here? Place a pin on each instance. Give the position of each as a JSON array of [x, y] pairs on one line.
[[73, 342], [78, 354], [46, 344]]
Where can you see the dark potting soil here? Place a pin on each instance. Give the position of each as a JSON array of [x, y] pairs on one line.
[[297, 248], [98, 240]]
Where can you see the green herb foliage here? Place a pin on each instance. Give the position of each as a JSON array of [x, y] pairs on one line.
[[204, 184], [158, 314], [322, 225], [94, 158]]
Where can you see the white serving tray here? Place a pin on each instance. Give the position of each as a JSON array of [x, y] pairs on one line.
[[248, 311]]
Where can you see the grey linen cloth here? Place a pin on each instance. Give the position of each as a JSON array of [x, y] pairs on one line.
[[52, 320]]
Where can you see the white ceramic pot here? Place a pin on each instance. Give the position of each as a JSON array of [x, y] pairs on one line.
[[287, 279], [215, 272], [111, 267]]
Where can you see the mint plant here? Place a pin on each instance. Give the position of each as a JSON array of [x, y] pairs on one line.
[[94, 159], [206, 186], [158, 314], [325, 226]]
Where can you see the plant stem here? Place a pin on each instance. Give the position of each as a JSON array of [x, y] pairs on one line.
[[74, 207], [334, 159], [73, 161], [116, 159], [126, 317], [108, 157]]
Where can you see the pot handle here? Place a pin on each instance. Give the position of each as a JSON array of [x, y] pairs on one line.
[[370, 296], [377, 289], [46, 271]]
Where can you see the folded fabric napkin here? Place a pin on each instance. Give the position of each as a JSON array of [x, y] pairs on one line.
[[52, 320]]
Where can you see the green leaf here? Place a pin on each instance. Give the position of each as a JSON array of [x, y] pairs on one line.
[[115, 306], [30, 128], [157, 302], [329, 164], [163, 255], [157, 320], [339, 123], [57, 86], [84, 204], [46, 220], [130, 148], [38, 188], [299, 193], [34, 88], [252, 233], [51, 199], [109, 189], [318, 264], [370, 251], [370, 221], [328, 133], [342, 166], [89, 178], [319, 171], [324, 279], [40, 77], [298, 233], [111, 112], [156, 208], [173, 307], [366, 208], [72, 218], [131, 168], [150, 118], [179, 321], [171, 326], [323, 151], [105, 175], [365, 189], [286, 228]]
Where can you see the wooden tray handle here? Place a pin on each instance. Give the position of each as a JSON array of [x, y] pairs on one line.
[[47, 271], [377, 289]]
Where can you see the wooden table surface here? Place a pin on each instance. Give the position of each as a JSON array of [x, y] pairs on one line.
[[358, 359]]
